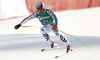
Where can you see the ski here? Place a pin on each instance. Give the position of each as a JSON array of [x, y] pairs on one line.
[[42, 50], [70, 52]]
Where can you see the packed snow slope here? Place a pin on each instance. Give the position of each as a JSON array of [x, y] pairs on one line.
[[26, 43], [28, 47]]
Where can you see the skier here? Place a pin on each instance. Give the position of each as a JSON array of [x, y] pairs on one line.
[[50, 24]]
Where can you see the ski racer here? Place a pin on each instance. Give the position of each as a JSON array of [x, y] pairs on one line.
[[50, 24]]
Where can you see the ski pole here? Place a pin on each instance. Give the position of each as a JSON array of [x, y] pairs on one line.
[[31, 26], [63, 33]]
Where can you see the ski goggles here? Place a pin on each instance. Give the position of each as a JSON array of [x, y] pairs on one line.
[[40, 8]]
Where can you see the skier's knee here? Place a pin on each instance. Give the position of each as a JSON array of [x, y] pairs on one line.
[[42, 30], [56, 33]]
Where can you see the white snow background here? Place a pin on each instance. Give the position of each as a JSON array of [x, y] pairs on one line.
[[26, 43]]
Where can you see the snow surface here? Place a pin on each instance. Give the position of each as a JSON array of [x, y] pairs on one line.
[[26, 43], [28, 47]]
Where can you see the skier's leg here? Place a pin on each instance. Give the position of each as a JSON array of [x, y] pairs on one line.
[[65, 41], [47, 37]]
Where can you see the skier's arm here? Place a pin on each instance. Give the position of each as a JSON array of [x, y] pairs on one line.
[[55, 18], [28, 18], [25, 20]]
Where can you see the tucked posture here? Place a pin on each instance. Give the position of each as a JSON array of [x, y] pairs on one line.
[[50, 24]]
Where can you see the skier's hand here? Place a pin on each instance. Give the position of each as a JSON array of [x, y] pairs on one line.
[[17, 26], [54, 27]]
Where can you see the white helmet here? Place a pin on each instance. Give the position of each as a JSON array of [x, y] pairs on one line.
[[40, 4]]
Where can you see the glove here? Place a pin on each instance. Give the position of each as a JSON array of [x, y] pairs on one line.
[[17, 26], [54, 27]]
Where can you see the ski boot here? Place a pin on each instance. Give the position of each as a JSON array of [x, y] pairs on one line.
[[53, 45], [68, 48]]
